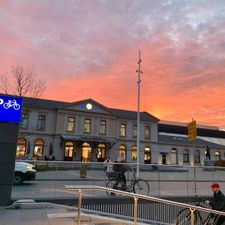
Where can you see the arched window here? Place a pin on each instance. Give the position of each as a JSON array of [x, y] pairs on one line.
[[68, 151], [186, 156], [134, 152], [197, 156], [122, 150], [217, 155], [173, 155], [38, 148], [101, 153], [86, 152], [21, 148], [147, 156]]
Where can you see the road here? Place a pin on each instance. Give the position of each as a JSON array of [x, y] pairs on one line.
[[50, 184]]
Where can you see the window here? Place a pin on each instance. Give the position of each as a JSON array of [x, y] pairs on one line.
[[21, 148], [24, 121], [41, 122], [173, 156], [122, 150], [101, 152], [197, 156], [134, 131], [70, 124], [38, 148], [147, 132], [147, 156], [122, 130], [134, 153], [217, 155], [87, 126], [68, 150], [102, 127], [186, 156]]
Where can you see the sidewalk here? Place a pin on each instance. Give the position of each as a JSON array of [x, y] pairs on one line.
[[52, 216]]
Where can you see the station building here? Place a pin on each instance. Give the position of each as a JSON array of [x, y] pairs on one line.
[[89, 131]]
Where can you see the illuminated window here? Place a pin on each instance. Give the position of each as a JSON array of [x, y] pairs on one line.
[[102, 127], [122, 130], [101, 152], [122, 150], [87, 126], [217, 155], [41, 122], [68, 149], [70, 124], [38, 148], [147, 132], [24, 121], [21, 148], [134, 131], [134, 153], [147, 155]]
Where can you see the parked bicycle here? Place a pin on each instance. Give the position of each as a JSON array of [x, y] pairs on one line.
[[135, 185], [201, 218]]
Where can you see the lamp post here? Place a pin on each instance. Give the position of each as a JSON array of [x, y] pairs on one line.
[[138, 112]]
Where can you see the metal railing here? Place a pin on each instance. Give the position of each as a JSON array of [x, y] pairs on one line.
[[136, 198]]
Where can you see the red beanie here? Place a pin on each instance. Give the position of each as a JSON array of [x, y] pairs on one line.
[[215, 185]]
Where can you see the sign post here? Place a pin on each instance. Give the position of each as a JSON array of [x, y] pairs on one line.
[[10, 116], [192, 135]]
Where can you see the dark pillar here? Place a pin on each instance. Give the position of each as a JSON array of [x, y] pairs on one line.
[[10, 115], [8, 140]]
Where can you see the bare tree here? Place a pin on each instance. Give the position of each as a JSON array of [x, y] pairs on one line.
[[22, 82]]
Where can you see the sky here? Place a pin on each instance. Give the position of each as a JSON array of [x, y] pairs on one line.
[[89, 49]]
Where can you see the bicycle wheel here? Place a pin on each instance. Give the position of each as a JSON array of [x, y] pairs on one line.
[[184, 217], [113, 184], [141, 187]]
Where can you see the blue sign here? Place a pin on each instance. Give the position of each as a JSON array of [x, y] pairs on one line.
[[10, 109]]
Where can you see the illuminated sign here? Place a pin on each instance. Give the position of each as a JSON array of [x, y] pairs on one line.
[[10, 109]]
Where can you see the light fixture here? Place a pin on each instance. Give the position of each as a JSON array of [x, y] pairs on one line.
[[89, 106]]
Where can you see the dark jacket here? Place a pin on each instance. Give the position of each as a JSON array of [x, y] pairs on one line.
[[123, 167], [218, 202]]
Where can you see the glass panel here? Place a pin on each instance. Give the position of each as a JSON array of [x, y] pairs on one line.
[[70, 124], [123, 130]]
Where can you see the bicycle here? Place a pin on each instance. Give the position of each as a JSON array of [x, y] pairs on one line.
[[184, 216], [136, 185]]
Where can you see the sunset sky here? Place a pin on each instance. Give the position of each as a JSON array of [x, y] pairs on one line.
[[89, 49]]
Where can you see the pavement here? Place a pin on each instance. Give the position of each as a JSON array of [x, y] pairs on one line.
[[36, 214]]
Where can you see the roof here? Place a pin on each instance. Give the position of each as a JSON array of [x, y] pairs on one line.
[[54, 105], [132, 115], [176, 129], [178, 140]]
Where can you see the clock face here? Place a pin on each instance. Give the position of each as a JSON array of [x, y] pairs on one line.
[[89, 106]]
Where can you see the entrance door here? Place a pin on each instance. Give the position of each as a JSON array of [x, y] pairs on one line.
[[86, 152], [68, 151]]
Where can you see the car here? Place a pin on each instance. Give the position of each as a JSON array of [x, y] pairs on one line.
[[23, 172]]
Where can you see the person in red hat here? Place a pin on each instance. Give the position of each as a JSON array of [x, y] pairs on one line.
[[218, 202]]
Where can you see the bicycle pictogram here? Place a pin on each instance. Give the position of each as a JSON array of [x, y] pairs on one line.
[[11, 103]]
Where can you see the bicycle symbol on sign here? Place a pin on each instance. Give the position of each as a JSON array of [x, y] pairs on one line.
[[11, 103]]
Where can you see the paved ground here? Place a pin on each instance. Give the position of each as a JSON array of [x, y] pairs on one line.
[[43, 216]]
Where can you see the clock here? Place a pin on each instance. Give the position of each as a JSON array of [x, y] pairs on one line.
[[89, 106]]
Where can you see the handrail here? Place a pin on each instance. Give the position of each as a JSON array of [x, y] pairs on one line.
[[80, 188]]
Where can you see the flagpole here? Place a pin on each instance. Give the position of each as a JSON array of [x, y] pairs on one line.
[[138, 113]]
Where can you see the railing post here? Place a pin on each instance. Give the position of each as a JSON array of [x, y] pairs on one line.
[[135, 210], [79, 206], [193, 221]]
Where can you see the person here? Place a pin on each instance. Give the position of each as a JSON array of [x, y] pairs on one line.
[[121, 168], [108, 167], [218, 202]]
